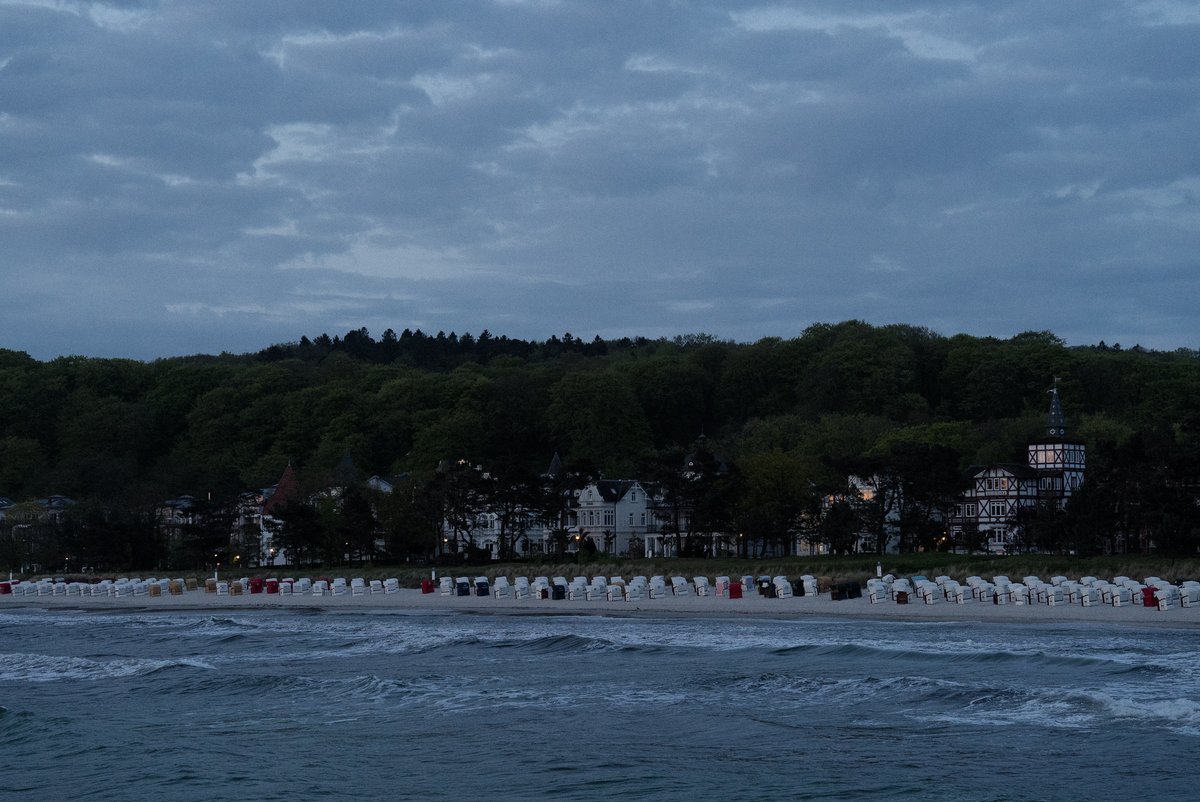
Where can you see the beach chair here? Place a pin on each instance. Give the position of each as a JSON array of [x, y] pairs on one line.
[[680, 586], [391, 585], [927, 591], [286, 586], [702, 586], [1167, 596], [1189, 593], [635, 591], [358, 587], [783, 587], [616, 591], [483, 588], [657, 588], [721, 587], [501, 589], [577, 590], [521, 588]]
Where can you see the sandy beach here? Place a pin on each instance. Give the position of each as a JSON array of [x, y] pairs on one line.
[[799, 607]]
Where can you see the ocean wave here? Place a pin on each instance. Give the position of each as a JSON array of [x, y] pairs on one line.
[[54, 668], [1178, 714]]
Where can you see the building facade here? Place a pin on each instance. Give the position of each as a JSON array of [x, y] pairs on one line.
[[990, 508]]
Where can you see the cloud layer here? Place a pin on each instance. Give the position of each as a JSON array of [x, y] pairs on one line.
[[181, 177]]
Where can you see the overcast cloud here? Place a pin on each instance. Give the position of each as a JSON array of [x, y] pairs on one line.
[[181, 177]]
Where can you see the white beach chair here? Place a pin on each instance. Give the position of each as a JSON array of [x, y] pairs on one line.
[[680, 586], [597, 590], [1167, 596]]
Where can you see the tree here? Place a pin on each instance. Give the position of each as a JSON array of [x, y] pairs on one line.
[[775, 491], [300, 531], [839, 528]]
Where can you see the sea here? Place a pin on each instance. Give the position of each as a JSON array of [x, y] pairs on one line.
[[388, 704]]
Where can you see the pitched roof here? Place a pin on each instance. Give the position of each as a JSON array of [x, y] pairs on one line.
[[285, 491], [1015, 468]]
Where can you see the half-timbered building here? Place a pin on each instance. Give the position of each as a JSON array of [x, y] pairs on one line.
[[997, 493]]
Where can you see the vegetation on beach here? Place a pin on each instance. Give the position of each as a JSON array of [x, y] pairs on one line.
[[791, 418]]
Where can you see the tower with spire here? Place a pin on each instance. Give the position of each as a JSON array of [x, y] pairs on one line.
[[1058, 461]]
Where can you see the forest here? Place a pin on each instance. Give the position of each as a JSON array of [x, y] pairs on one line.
[[788, 419]]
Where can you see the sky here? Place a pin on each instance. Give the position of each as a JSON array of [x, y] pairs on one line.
[[181, 177]]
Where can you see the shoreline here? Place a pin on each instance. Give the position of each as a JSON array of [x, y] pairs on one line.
[[797, 608]]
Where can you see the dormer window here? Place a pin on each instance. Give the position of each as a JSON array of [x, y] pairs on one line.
[[633, 496]]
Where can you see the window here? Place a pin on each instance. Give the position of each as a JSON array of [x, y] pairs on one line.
[[643, 519], [633, 496], [608, 517], [997, 509], [631, 519]]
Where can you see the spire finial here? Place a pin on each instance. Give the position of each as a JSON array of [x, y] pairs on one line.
[[1056, 425]]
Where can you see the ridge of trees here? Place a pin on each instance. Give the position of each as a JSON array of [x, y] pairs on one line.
[[791, 415]]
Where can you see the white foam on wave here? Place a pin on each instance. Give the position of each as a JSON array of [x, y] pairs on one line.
[[1179, 714], [54, 668]]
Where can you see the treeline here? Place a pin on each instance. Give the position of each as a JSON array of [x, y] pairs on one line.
[[784, 413]]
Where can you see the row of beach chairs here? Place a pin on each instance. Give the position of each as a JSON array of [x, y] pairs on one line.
[[123, 586], [616, 588], [1088, 591]]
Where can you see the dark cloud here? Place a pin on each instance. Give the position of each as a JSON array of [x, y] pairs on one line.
[[180, 177]]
